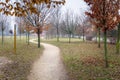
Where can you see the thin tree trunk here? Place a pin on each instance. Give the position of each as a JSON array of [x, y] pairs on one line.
[[96, 37], [15, 39], [69, 38], [57, 34], [79, 36], [72, 35], [28, 37], [20, 33], [118, 40], [83, 35], [2, 35], [105, 48], [99, 38], [38, 38], [105, 35]]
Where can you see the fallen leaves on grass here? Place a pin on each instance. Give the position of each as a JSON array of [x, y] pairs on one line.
[[90, 60]]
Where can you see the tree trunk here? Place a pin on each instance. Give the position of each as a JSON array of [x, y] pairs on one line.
[[15, 39], [79, 36], [2, 35], [83, 35], [20, 33], [105, 48], [99, 38], [28, 37], [69, 38], [96, 37], [57, 34], [38, 38], [118, 40]]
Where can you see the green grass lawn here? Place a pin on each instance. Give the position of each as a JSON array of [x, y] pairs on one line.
[[22, 60], [84, 61], [65, 39]]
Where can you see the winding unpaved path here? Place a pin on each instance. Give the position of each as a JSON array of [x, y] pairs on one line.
[[49, 66]]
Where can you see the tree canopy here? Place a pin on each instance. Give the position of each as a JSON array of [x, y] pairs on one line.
[[105, 12], [19, 8]]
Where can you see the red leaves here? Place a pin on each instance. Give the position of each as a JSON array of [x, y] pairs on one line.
[[19, 8], [105, 12], [89, 60]]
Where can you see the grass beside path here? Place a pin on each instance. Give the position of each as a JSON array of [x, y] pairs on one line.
[[22, 60], [84, 61], [65, 39]]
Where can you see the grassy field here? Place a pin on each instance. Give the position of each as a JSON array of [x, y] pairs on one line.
[[65, 39], [22, 60], [84, 61]]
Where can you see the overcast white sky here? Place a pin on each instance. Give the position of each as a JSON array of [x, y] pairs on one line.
[[77, 6]]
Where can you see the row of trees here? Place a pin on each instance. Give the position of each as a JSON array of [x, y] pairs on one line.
[[4, 26], [104, 17], [37, 14], [69, 25]]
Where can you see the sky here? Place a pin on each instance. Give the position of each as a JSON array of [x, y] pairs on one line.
[[77, 6]]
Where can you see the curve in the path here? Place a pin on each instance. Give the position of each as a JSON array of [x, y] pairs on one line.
[[49, 66]]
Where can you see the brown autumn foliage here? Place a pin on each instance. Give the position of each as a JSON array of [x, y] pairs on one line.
[[19, 8], [35, 29], [104, 12]]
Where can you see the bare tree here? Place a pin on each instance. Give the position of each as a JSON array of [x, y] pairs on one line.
[[56, 21], [21, 25], [69, 25], [39, 20], [27, 29], [3, 25]]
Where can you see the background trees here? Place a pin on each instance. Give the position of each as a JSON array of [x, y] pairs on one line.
[[3, 25], [56, 21], [21, 25], [69, 25], [31, 9], [41, 19]]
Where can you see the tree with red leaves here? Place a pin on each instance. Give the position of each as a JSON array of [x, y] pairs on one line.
[[105, 13], [118, 34]]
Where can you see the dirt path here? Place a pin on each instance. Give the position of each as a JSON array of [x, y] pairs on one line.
[[49, 66]]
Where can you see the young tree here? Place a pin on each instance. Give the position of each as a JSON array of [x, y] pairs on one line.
[[118, 39], [98, 31], [27, 29], [41, 19], [56, 20], [3, 25], [18, 8], [118, 34], [69, 25], [20, 22], [105, 12], [84, 26]]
